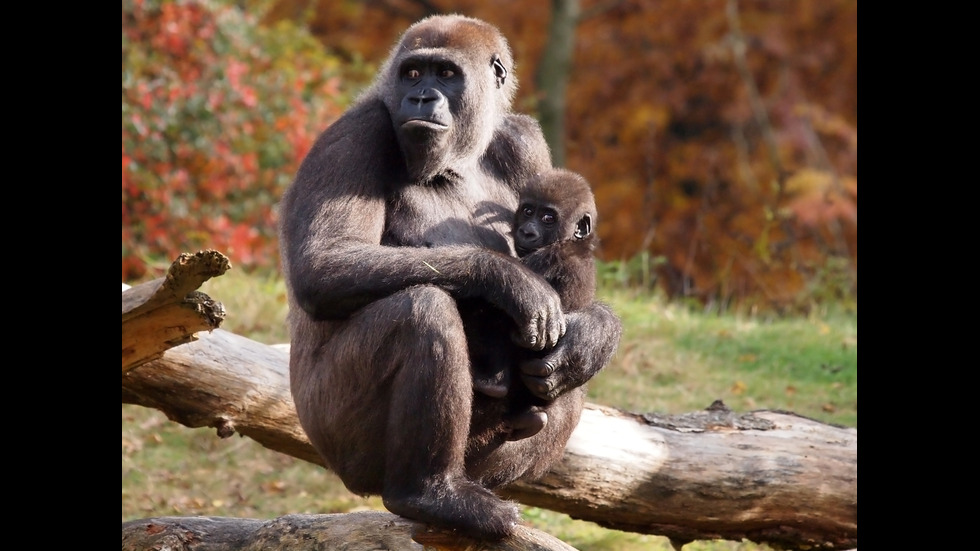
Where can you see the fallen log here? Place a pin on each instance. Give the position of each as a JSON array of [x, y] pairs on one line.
[[359, 531], [766, 476]]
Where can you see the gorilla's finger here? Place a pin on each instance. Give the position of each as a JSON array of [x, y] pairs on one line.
[[538, 367], [539, 386]]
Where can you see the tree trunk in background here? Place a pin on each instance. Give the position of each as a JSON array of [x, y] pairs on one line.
[[552, 75]]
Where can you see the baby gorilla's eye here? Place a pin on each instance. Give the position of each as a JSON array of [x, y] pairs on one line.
[[527, 211], [548, 218]]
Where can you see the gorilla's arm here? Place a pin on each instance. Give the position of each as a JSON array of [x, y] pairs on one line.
[[588, 345], [593, 332], [332, 223], [569, 266]]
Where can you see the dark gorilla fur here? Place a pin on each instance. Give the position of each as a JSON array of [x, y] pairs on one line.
[[554, 234], [398, 219]]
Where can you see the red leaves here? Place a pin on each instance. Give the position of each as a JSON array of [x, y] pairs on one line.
[[210, 132]]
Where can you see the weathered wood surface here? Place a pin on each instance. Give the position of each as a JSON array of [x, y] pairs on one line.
[[360, 531], [168, 311], [765, 476]]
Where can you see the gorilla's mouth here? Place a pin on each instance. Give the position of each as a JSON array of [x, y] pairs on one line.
[[420, 124]]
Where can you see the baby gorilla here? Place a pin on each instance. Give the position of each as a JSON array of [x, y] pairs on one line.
[[554, 236]]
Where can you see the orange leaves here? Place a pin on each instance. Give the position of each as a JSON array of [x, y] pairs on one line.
[[819, 198], [690, 142], [646, 121]]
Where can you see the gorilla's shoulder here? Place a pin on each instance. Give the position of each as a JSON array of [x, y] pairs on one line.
[[364, 129], [524, 132], [518, 150]]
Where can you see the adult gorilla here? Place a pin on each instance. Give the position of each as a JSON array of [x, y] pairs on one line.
[[397, 223]]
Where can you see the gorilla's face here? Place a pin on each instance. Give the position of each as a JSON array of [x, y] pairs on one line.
[[429, 91], [427, 88], [446, 87], [537, 225]]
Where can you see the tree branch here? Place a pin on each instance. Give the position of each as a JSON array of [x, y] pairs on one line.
[[168, 311]]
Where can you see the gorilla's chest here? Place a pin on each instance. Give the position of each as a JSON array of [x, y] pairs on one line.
[[475, 211]]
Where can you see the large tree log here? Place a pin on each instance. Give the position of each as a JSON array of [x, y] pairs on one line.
[[765, 476], [361, 531]]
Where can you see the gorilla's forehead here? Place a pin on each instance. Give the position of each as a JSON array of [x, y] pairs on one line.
[[467, 40], [435, 54]]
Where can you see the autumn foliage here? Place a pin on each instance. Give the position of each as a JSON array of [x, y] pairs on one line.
[[720, 136], [217, 112]]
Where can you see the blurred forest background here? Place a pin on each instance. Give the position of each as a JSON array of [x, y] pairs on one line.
[[720, 135]]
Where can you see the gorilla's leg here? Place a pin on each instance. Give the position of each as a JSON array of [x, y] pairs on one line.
[[525, 424], [492, 355], [428, 425], [405, 359], [530, 457], [525, 415]]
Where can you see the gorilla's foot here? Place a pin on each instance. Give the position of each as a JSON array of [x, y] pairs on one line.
[[490, 388], [525, 425], [461, 505]]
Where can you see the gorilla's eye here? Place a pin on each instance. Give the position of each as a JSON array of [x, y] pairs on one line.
[[548, 218], [447, 73], [413, 74], [527, 211]]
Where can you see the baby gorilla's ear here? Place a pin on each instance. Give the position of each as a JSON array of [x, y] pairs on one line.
[[583, 227]]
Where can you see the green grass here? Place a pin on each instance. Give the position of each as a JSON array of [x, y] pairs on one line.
[[672, 359]]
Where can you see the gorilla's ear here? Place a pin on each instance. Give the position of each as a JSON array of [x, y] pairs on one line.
[[499, 70], [583, 227]]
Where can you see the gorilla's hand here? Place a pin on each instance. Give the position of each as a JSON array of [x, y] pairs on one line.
[[540, 321], [589, 343], [530, 301]]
